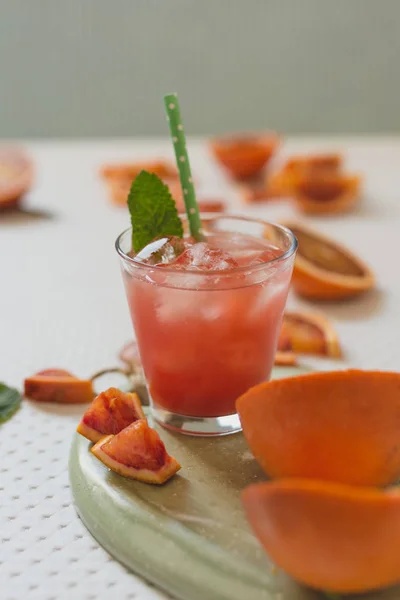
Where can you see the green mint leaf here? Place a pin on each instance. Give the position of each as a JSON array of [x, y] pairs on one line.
[[153, 211], [10, 400]]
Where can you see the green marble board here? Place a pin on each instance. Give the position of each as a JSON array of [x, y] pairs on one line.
[[188, 537]]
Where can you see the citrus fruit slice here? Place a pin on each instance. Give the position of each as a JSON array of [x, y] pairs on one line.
[[137, 452], [244, 155], [58, 385], [327, 535], [307, 333], [109, 413], [16, 176], [130, 170], [337, 426], [326, 270], [285, 358], [326, 194], [280, 183]]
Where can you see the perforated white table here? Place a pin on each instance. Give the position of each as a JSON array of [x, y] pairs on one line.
[[62, 304]]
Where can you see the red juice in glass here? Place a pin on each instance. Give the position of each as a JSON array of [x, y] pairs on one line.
[[207, 321]]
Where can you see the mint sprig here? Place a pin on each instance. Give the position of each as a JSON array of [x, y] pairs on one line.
[[10, 400], [153, 211]]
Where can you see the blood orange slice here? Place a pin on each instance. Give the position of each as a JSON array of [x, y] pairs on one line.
[[110, 412], [137, 452]]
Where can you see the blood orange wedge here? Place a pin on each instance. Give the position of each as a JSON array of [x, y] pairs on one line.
[[58, 385], [326, 270], [244, 155], [326, 194], [337, 426], [16, 176], [137, 452], [326, 535], [307, 333], [109, 413]]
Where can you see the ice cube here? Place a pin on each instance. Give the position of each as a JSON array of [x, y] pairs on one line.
[[204, 258], [161, 251]]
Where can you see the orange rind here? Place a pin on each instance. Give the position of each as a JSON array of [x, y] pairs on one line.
[[338, 426], [328, 536], [244, 155], [109, 413], [326, 270], [137, 452]]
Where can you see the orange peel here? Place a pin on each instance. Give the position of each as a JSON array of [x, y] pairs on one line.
[[338, 426], [244, 155], [326, 535], [326, 270]]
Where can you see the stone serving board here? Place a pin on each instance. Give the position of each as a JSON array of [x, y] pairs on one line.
[[189, 537]]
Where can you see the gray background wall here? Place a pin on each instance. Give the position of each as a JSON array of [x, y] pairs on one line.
[[101, 67]]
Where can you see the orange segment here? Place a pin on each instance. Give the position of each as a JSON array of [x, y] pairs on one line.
[[308, 333], [328, 536], [137, 452], [64, 389], [109, 413], [244, 155], [338, 426], [326, 270]]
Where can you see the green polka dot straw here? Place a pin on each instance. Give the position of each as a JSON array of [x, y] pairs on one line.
[[182, 161]]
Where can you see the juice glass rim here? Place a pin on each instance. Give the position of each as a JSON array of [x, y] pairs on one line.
[[213, 217]]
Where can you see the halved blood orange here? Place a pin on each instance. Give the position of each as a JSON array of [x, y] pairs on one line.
[[137, 452], [244, 155], [326, 194], [308, 333], [109, 413], [337, 426], [326, 270], [16, 176], [58, 385], [280, 183], [328, 536]]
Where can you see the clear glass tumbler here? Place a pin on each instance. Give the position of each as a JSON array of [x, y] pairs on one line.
[[205, 337]]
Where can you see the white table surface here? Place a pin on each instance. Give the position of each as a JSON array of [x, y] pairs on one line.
[[62, 304]]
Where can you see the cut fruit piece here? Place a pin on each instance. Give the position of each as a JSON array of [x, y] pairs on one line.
[[281, 182], [56, 373], [110, 412], [137, 452], [119, 177], [58, 385], [325, 270], [16, 176], [337, 426], [161, 168], [307, 333], [285, 358], [328, 536], [244, 155], [327, 194]]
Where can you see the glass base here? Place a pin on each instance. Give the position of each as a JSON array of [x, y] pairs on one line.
[[204, 426]]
